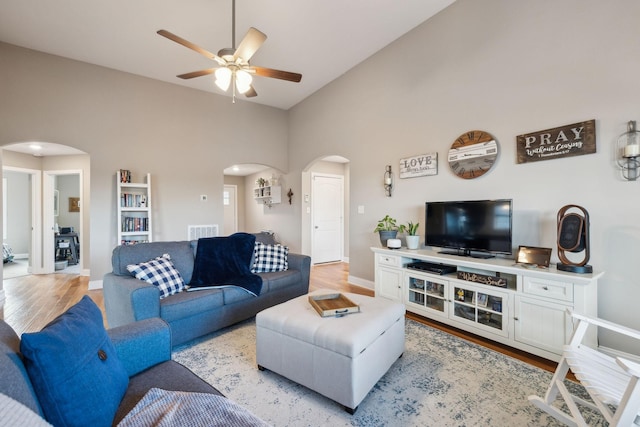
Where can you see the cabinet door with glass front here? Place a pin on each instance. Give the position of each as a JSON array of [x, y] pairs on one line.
[[483, 308], [426, 293]]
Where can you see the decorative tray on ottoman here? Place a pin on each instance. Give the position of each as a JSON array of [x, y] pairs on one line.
[[333, 305]]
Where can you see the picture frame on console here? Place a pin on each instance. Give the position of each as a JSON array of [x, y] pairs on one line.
[[480, 299]]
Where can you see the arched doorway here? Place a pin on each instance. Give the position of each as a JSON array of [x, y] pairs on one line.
[[56, 172], [243, 211], [325, 212]]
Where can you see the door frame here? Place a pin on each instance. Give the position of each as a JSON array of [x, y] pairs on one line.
[[48, 222], [313, 213], [35, 251], [235, 207]]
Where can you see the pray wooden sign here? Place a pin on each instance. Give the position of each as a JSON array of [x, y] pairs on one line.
[[564, 141]]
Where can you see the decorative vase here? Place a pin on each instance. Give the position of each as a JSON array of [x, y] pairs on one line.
[[386, 235], [413, 242]]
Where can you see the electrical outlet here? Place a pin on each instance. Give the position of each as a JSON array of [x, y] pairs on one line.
[[203, 197]]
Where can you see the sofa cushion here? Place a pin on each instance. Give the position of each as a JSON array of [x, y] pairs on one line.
[[181, 256], [164, 408], [169, 375], [280, 280], [74, 368], [268, 258], [266, 237], [225, 261], [161, 273], [187, 304], [15, 381]]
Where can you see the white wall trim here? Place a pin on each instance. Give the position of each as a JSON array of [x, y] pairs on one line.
[[617, 353], [95, 284], [363, 283], [2, 298]]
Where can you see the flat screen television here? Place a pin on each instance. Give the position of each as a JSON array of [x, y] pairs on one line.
[[480, 228]]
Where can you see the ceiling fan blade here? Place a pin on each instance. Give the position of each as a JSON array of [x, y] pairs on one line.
[[251, 92], [200, 73], [277, 74], [249, 44], [187, 43]]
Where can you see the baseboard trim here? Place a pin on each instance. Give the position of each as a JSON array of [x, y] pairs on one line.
[[617, 353], [95, 285], [363, 283]]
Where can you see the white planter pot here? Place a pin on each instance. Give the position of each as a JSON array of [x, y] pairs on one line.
[[413, 242]]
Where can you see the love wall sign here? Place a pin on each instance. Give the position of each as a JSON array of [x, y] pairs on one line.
[[564, 141]]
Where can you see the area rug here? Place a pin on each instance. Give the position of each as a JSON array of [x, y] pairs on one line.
[[441, 380]]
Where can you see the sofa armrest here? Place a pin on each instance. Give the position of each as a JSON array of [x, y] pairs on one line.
[[142, 344], [128, 299], [301, 263]]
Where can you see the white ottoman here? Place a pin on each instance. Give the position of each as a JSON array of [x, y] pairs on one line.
[[341, 358]]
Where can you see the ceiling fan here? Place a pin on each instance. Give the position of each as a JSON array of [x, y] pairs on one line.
[[234, 68]]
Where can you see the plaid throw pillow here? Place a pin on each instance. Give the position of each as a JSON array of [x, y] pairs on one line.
[[270, 258], [159, 272]]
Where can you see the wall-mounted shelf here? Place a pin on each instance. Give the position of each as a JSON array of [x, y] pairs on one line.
[[268, 195]]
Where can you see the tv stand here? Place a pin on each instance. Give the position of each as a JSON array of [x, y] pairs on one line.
[[494, 298], [468, 253]]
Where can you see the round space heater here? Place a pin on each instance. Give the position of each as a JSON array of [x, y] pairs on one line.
[[573, 236]]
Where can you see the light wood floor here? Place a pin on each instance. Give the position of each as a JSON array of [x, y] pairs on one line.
[[33, 301]]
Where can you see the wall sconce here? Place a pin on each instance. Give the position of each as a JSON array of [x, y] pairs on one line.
[[628, 152], [388, 180]]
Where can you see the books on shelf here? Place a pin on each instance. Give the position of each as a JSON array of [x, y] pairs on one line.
[[132, 242], [133, 200], [133, 224]]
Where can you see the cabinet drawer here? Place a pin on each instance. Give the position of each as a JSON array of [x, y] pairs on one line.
[[548, 288], [390, 260]]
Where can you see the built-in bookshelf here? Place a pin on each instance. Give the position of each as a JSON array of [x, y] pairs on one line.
[[134, 209]]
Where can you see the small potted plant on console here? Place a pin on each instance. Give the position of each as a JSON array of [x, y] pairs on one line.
[[387, 229], [412, 238]]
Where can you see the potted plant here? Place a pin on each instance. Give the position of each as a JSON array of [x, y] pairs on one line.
[[387, 229], [412, 238]]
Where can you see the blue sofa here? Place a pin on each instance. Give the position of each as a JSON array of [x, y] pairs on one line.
[[143, 347], [193, 314]]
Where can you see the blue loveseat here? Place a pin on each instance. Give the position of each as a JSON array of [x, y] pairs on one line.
[[144, 348], [193, 314]]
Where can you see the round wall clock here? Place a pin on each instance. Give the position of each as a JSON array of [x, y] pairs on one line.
[[473, 154]]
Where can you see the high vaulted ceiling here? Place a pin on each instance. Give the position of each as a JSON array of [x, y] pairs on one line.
[[321, 39]]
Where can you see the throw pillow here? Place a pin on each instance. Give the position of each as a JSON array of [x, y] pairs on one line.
[[74, 368], [161, 273], [269, 258]]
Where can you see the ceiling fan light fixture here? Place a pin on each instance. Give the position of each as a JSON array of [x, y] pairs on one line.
[[223, 78], [243, 81]]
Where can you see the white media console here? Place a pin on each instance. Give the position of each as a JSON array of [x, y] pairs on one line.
[[527, 310]]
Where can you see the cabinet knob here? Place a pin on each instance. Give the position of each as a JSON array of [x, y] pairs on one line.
[[546, 288], [516, 319]]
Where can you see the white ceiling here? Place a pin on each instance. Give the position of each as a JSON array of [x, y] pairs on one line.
[[321, 39]]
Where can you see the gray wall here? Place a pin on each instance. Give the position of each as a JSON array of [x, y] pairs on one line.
[[18, 212], [507, 67], [122, 121]]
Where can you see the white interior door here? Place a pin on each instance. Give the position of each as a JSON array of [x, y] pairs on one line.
[[230, 202], [327, 201]]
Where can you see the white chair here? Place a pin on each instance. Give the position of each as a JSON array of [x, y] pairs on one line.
[[612, 383]]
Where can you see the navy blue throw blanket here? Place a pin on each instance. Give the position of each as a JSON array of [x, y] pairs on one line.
[[224, 261]]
